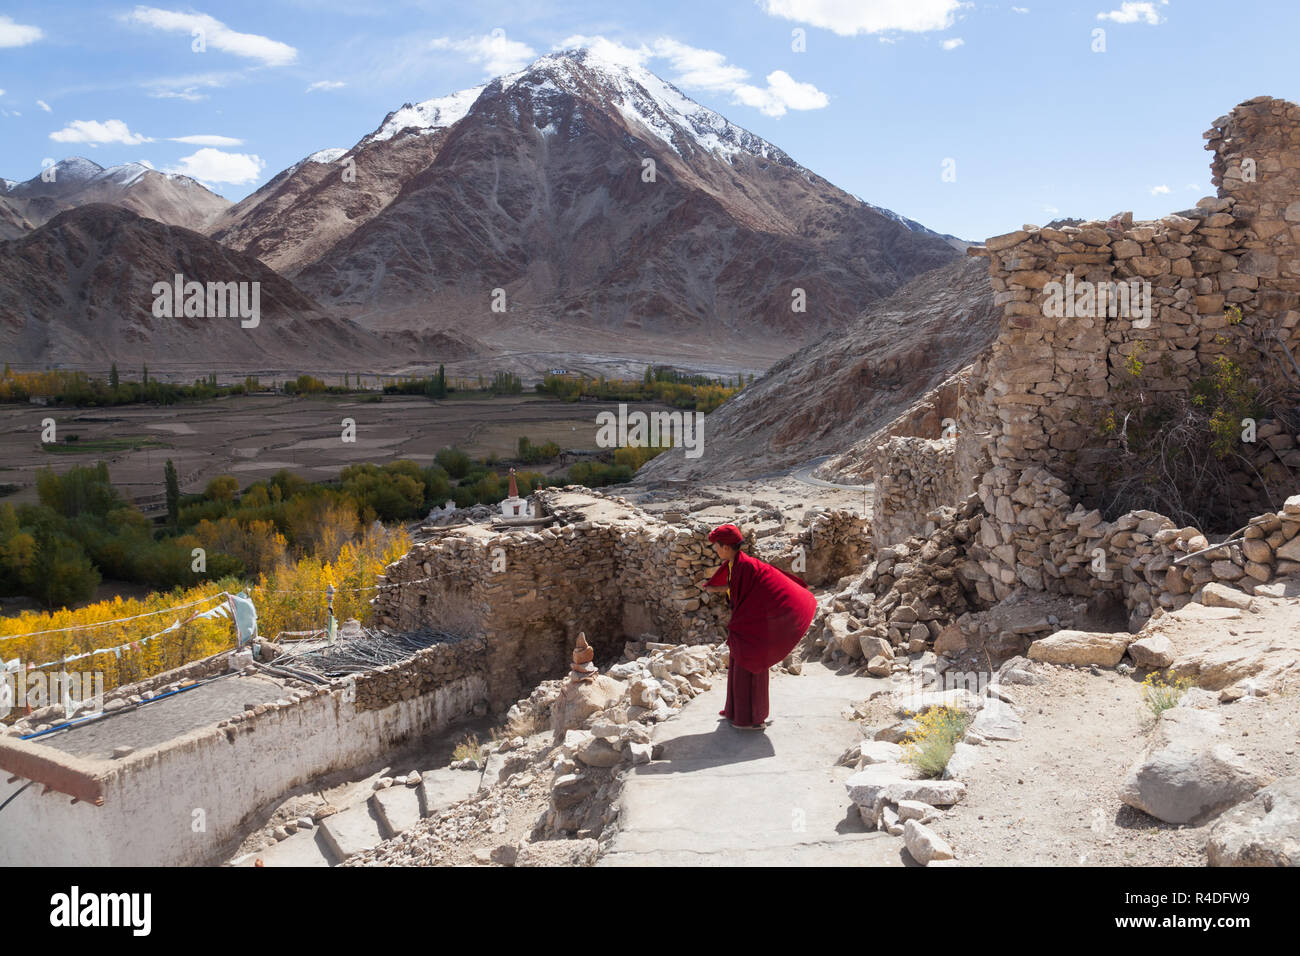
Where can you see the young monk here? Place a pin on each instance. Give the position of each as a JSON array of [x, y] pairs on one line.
[[770, 611]]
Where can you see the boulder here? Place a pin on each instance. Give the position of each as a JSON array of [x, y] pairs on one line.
[[599, 753], [840, 634], [895, 782], [951, 640], [868, 752], [578, 700], [558, 853], [1264, 831], [1155, 652], [506, 854], [1220, 595], [924, 844], [997, 721], [916, 810], [1080, 648], [964, 757], [644, 692], [1184, 775]]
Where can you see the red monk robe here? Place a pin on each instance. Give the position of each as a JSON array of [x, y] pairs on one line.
[[771, 611]]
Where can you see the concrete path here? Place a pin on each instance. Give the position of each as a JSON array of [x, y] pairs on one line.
[[717, 796]]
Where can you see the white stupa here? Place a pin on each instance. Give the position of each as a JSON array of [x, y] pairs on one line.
[[514, 506]]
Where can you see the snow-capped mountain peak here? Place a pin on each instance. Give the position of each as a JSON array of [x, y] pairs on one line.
[[76, 169], [642, 98], [326, 155], [125, 175], [426, 117]]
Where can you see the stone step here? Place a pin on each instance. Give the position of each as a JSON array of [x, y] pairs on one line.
[[441, 788], [352, 830], [398, 808], [304, 848]]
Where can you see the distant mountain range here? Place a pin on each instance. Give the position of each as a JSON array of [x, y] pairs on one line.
[[578, 207], [169, 198]]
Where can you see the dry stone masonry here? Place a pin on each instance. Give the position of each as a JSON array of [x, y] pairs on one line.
[[596, 565], [1028, 424]]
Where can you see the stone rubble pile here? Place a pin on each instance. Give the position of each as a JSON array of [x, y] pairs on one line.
[[904, 598]]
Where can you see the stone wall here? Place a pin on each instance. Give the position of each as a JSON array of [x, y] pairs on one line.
[[422, 673], [601, 567], [913, 477], [1031, 419]]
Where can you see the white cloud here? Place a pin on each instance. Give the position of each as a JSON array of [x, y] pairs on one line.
[[953, 43], [700, 69], [496, 53], [217, 35], [214, 166], [326, 85], [15, 34], [608, 49], [96, 133], [1022, 10], [187, 87], [1051, 210], [2, 92], [695, 68], [203, 140], [851, 17], [191, 95], [1130, 12], [41, 103], [783, 93], [1159, 190]]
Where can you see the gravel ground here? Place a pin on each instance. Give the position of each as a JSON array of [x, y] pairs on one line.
[[1052, 798]]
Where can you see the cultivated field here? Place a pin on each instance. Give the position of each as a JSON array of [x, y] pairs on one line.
[[253, 436]]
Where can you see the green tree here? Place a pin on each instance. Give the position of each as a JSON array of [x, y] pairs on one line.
[[144, 376], [61, 573], [454, 461], [173, 493], [113, 381]]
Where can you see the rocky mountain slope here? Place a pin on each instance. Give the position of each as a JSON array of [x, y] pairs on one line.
[[79, 290], [848, 385], [173, 199], [536, 184]]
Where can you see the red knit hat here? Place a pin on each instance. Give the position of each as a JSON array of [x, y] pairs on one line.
[[727, 534]]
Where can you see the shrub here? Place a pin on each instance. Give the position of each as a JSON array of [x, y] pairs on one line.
[[931, 745], [1160, 693], [468, 749]]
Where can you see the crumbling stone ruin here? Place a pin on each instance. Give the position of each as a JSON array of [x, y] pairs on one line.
[[592, 564], [1027, 440]]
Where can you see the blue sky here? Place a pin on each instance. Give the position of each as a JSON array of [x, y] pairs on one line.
[[1037, 124]]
